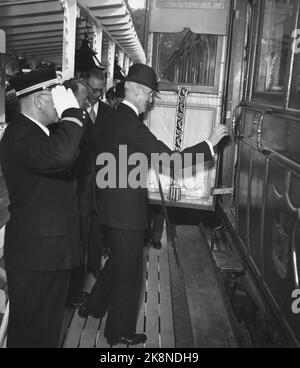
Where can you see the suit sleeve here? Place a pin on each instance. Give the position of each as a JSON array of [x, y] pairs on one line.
[[85, 174], [58, 151], [142, 140]]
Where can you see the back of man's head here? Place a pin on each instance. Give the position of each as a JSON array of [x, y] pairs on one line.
[[39, 106]]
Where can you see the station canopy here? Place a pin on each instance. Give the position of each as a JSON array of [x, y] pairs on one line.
[[34, 28]]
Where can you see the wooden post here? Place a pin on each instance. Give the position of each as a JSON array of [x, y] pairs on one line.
[[69, 37], [126, 64], [121, 58], [97, 41], [110, 64]]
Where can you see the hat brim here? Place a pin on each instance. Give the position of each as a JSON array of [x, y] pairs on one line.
[[37, 87], [140, 81]]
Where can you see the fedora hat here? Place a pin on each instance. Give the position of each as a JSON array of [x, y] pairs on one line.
[[143, 74]]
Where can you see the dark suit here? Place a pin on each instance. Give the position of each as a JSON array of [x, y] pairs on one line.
[[84, 171], [42, 236], [85, 164], [91, 230], [96, 241], [124, 212]]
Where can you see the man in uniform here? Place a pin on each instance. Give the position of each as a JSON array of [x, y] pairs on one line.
[[123, 210], [42, 242]]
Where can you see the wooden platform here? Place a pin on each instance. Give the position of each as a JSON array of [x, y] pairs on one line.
[[180, 306], [155, 318]]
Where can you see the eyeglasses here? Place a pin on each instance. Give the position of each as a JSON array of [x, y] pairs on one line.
[[150, 96], [95, 90]]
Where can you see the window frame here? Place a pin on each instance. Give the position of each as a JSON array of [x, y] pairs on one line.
[[267, 98], [194, 88]]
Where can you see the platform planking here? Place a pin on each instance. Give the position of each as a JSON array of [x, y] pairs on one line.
[[74, 329], [151, 303], [184, 306], [89, 333], [165, 306], [155, 317], [141, 322], [68, 316], [101, 340], [209, 317]]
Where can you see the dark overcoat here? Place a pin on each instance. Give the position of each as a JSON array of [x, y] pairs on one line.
[[43, 232]]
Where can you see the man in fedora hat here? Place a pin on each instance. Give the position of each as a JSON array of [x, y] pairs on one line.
[[42, 242], [123, 210]]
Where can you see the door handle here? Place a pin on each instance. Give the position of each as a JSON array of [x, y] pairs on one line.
[[259, 133]]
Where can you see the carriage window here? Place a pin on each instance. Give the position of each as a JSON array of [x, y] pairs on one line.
[[294, 95], [274, 51], [186, 58]]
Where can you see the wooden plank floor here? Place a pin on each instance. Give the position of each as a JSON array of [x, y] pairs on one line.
[[204, 308], [155, 317]]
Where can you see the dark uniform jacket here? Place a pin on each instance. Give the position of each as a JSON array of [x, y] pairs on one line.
[[126, 208], [103, 114], [42, 233]]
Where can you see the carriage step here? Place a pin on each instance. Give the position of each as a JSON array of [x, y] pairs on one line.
[[228, 262]]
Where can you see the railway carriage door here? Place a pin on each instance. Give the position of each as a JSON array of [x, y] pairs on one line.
[[267, 194], [187, 47]]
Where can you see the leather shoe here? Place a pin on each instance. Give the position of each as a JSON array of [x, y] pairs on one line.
[[156, 244], [135, 339], [79, 301], [83, 312]]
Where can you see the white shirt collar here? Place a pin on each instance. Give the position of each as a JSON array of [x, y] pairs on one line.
[[95, 107], [125, 102], [43, 127]]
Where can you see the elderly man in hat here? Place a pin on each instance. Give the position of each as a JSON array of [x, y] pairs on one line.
[[123, 210], [42, 242]]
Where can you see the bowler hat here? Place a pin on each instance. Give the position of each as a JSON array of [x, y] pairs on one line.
[[143, 74], [34, 81]]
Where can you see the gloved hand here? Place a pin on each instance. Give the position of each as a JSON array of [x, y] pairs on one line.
[[63, 99]]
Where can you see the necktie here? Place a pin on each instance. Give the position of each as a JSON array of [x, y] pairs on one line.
[[92, 114]]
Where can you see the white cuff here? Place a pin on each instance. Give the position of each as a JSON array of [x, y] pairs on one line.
[[211, 148]]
